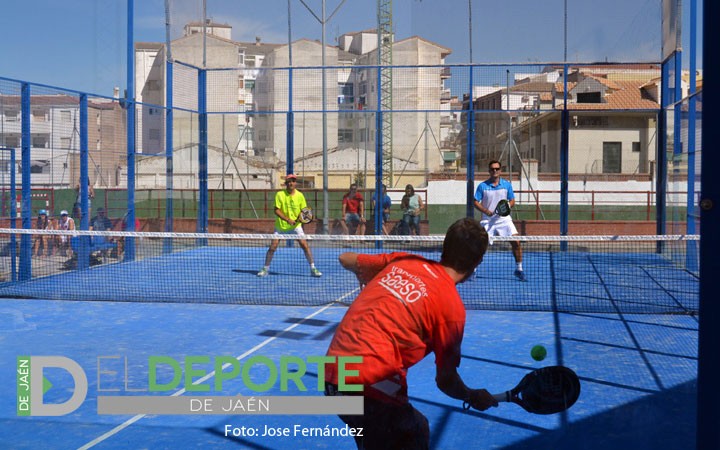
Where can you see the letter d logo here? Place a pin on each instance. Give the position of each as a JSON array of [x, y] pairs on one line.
[[37, 364]]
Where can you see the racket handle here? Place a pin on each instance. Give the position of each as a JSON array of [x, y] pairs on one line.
[[504, 397]]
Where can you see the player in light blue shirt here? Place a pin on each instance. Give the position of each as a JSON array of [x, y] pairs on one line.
[[487, 196]]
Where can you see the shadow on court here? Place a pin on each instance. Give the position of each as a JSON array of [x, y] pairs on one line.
[[663, 420]]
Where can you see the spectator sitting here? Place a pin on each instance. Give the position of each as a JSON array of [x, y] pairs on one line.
[[65, 223], [101, 221], [353, 212]]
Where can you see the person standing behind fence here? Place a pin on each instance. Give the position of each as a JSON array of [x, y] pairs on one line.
[[411, 205], [386, 205], [78, 198], [288, 204], [353, 211], [41, 246], [487, 196], [65, 223]]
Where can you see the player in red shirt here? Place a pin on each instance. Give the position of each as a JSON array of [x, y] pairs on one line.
[[409, 307], [353, 211]]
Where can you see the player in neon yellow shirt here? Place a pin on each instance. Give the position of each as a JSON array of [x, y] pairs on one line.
[[288, 204]]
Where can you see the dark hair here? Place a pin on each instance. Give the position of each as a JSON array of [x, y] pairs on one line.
[[410, 186], [464, 246], [494, 161]]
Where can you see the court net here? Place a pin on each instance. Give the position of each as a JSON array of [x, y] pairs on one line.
[[628, 274]]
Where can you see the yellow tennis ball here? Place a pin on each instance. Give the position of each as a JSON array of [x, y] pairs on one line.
[[538, 353]]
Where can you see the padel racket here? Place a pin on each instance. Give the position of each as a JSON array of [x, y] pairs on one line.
[[306, 215], [503, 208], [548, 390]]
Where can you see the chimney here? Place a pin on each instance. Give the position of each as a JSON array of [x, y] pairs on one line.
[[257, 40], [116, 92]]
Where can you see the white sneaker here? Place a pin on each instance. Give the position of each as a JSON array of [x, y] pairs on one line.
[[316, 273], [263, 272]]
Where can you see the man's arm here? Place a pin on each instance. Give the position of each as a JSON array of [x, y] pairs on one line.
[[452, 385], [482, 209], [361, 209], [349, 261], [281, 214]]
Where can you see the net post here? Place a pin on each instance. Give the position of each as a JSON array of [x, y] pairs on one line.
[[84, 241], [169, 211], [129, 253], [26, 204]]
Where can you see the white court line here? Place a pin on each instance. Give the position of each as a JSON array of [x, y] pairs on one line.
[[134, 419]]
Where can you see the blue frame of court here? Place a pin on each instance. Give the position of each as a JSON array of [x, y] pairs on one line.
[[657, 370]]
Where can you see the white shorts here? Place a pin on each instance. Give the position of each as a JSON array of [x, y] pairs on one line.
[[299, 231], [499, 226]]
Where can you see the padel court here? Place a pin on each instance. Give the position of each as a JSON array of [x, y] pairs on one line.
[[632, 340]]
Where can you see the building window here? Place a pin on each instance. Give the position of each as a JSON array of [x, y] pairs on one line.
[[65, 116], [543, 154], [345, 135], [250, 84], [38, 115], [37, 167], [39, 141], [636, 147], [612, 157], [589, 97], [11, 115], [241, 57]]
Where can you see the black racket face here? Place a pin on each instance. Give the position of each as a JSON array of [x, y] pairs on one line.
[[503, 208], [548, 390]]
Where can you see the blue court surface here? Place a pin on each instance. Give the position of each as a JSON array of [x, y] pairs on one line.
[[638, 374], [612, 278]]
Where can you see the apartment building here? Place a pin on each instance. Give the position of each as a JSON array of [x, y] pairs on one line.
[[613, 120], [254, 94]]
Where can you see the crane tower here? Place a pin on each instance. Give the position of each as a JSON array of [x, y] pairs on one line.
[[385, 59]]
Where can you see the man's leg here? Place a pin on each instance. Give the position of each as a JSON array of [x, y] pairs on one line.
[[390, 426], [387, 425], [517, 253]]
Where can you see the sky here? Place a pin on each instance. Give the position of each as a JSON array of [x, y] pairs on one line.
[[82, 44]]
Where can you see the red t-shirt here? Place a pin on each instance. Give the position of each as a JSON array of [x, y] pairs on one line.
[[409, 308], [352, 204]]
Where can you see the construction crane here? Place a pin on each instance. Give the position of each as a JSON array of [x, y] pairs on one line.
[[385, 51]]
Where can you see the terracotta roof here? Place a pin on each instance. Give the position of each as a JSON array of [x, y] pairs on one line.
[[44, 100], [628, 95]]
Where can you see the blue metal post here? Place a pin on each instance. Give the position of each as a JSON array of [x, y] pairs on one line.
[[564, 162], [661, 153], [84, 247], [470, 159], [379, 145], [691, 260], [708, 396], [26, 204], [202, 219], [169, 212], [130, 105], [13, 217], [290, 144]]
